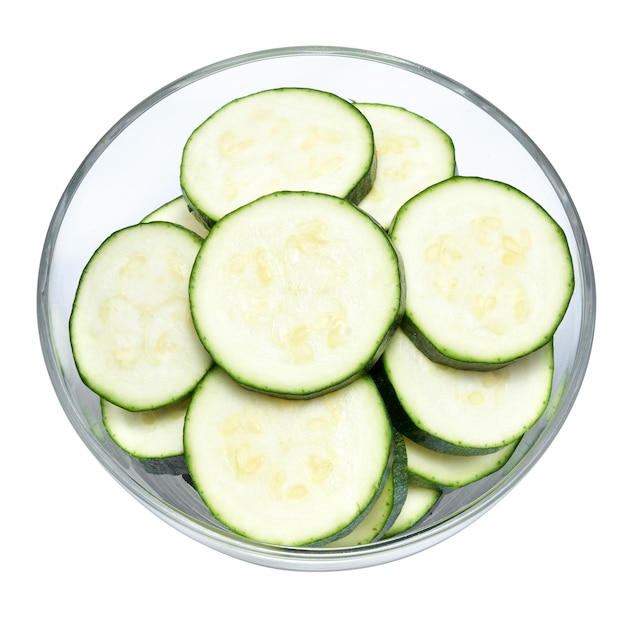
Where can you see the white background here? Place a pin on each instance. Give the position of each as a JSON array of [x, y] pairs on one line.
[[77, 549]]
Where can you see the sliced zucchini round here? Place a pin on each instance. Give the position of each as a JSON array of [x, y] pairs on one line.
[[131, 332], [296, 293], [458, 411], [412, 153], [419, 502], [154, 438], [177, 212], [489, 273], [451, 471], [278, 139], [287, 472], [370, 526], [152, 434], [383, 514]]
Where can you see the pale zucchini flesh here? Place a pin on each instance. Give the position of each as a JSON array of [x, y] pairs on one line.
[[284, 298], [287, 472], [177, 212], [489, 274], [279, 139], [412, 153]]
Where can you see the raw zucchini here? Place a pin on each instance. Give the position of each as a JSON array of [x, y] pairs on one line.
[[412, 153], [287, 472], [451, 471], [400, 478], [371, 526], [177, 212], [154, 437], [279, 139], [419, 502], [488, 272], [132, 337], [458, 411], [265, 264], [388, 505], [285, 299]]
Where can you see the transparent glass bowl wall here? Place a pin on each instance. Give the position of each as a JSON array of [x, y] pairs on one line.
[[134, 169]]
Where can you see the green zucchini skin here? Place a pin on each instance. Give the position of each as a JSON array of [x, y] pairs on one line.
[[173, 466], [400, 478], [364, 185]]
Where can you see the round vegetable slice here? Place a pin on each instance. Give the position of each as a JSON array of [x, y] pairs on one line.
[[412, 153], [131, 332], [155, 434], [388, 505], [489, 274], [451, 471], [278, 139], [153, 438], [296, 293], [177, 212], [459, 411], [287, 472], [420, 500]]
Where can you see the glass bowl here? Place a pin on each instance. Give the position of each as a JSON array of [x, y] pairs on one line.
[[134, 169]]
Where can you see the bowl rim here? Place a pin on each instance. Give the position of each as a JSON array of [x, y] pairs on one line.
[[323, 558]]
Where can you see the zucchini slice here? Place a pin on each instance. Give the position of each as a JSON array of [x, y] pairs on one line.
[[489, 273], [296, 293], [273, 140], [155, 434], [451, 471], [177, 212], [419, 502], [371, 526], [132, 337], [458, 411], [287, 472], [154, 438], [412, 153], [388, 505]]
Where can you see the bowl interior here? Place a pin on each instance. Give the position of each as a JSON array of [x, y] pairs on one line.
[[134, 169]]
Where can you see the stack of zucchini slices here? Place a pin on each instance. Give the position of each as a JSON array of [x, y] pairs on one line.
[[329, 328]]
